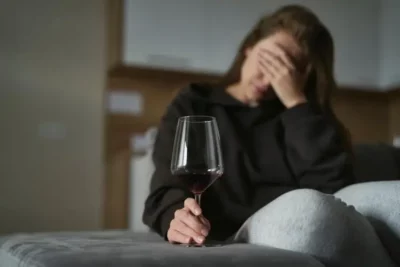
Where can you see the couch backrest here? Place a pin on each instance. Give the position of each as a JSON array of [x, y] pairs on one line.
[[376, 162]]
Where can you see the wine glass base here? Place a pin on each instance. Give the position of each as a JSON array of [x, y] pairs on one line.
[[206, 245], [193, 245]]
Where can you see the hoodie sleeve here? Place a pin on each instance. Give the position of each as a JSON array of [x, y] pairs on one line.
[[166, 194], [315, 149]]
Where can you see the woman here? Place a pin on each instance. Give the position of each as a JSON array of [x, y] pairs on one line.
[[284, 152]]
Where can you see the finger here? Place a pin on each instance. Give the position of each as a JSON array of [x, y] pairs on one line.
[[175, 236], [265, 69], [284, 56], [192, 205], [205, 222], [186, 230], [270, 62], [192, 221]]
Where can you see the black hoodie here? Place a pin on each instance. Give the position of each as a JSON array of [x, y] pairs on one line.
[[267, 151]]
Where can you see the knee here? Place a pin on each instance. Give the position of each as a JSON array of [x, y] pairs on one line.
[[306, 206], [312, 203], [307, 218], [379, 201], [362, 191], [305, 196], [313, 213]]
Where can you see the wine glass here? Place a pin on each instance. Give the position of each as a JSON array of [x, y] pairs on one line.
[[196, 157]]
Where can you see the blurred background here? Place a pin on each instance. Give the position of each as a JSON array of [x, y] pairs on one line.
[[84, 83]]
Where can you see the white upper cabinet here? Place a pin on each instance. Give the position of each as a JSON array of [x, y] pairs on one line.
[[204, 35], [170, 34]]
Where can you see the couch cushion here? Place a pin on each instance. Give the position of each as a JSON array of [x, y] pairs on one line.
[[126, 249]]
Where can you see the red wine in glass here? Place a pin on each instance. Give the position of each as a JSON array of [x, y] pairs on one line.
[[198, 182], [196, 157]]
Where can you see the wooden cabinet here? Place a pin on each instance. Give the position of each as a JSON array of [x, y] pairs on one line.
[[370, 116]]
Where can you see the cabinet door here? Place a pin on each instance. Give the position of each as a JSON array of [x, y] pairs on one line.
[[228, 23], [169, 34]]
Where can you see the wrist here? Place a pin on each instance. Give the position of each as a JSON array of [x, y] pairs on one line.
[[301, 99]]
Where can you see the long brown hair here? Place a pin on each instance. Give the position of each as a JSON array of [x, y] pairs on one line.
[[315, 41]]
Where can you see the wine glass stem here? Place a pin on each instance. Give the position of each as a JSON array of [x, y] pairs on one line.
[[197, 197]]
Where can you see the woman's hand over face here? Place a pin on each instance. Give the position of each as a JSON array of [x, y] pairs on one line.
[[287, 81]]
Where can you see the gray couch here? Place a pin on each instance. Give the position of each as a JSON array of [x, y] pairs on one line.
[[124, 248]]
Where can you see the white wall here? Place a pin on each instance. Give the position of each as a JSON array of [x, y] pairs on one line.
[[204, 35], [51, 99], [390, 46]]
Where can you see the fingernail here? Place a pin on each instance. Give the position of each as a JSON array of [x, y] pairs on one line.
[[204, 232], [200, 239], [197, 212]]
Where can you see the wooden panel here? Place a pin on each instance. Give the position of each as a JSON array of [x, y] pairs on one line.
[[169, 77], [364, 114], [394, 113], [114, 32], [117, 189], [157, 87], [156, 97]]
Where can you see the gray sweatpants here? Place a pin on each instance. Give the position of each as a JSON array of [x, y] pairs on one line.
[[358, 226]]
